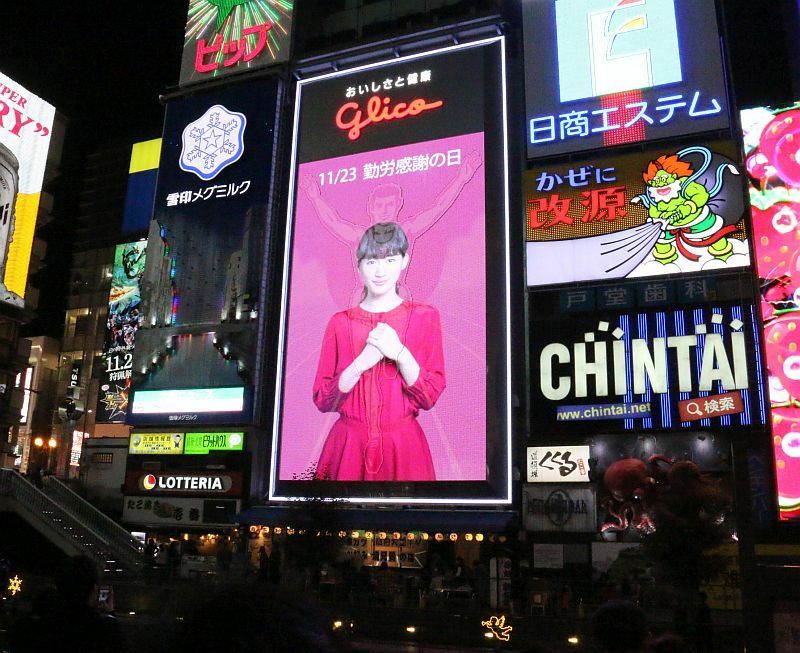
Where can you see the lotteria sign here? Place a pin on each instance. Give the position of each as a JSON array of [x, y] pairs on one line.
[[212, 483], [689, 368], [606, 72]]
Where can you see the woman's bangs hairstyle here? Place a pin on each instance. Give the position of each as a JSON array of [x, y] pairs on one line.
[[381, 240]]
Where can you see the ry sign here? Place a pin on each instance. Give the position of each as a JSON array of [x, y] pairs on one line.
[[607, 72]]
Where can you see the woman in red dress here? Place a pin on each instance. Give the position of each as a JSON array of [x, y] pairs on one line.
[[381, 363]]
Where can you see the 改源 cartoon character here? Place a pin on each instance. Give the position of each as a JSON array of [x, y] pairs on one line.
[[687, 193]]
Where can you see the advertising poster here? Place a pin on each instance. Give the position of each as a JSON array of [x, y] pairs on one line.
[[695, 367], [395, 299], [205, 443], [124, 320], [156, 443], [660, 211], [772, 145], [558, 464], [600, 73], [233, 36], [26, 122], [195, 360]]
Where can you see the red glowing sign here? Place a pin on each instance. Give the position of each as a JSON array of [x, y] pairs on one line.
[[351, 118], [729, 403]]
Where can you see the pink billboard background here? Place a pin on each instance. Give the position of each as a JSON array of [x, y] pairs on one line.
[[447, 270], [772, 147]]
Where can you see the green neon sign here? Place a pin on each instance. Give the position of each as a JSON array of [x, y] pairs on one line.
[[203, 443]]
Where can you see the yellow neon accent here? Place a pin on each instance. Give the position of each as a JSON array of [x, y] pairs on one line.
[[636, 23], [496, 627], [19, 252], [14, 585], [145, 156]]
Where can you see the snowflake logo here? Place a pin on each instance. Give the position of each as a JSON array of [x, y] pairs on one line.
[[212, 142]]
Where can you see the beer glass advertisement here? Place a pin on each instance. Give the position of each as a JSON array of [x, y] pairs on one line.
[[690, 368], [649, 213], [124, 319], [772, 144], [234, 36], [195, 360], [600, 73], [395, 295]]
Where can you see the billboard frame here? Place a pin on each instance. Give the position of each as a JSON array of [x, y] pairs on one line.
[[506, 496]]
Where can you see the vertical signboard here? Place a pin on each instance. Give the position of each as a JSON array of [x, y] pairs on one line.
[[606, 72], [395, 310], [142, 174], [772, 148], [25, 125], [195, 351], [232, 36], [124, 320]]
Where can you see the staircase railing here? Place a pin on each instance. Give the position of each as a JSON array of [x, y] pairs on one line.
[[110, 555], [90, 516]]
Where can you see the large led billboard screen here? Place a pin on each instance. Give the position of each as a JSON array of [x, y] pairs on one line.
[[195, 358], [600, 73], [233, 36], [26, 122], [772, 148], [670, 210], [124, 320], [395, 310], [695, 367]]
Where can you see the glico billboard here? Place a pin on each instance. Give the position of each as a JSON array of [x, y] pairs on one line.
[[772, 148], [691, 368], [26, 122], [393, 378], [606, 72], [195, 357], [670, 210], [124, 320], [233, 36]]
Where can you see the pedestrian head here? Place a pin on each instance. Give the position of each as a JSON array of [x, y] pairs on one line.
[[619, 627]]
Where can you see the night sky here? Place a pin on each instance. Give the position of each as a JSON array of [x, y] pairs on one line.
[[104, 63]]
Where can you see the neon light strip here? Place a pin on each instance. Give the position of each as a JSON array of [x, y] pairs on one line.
[[666, 404], [625, 325]]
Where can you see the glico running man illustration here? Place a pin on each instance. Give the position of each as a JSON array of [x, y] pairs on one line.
[[385, 203], [687, 194]]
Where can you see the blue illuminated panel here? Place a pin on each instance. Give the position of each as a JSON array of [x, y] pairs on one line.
[[600, 73]]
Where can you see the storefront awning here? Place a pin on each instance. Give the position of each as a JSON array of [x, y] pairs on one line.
[[490, 521]]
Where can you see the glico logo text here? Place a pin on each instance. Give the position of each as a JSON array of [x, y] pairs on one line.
[[351, 118]]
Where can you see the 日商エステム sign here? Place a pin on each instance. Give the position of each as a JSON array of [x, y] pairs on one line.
[[606, 72]]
